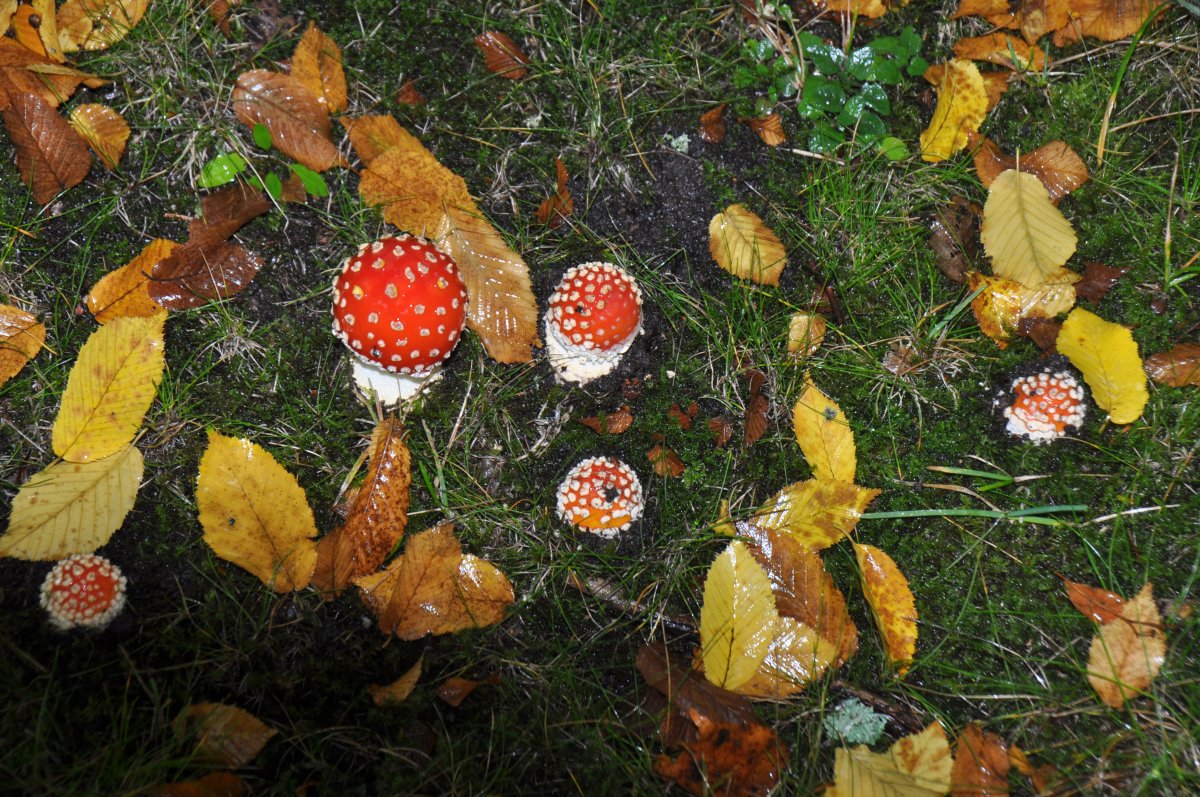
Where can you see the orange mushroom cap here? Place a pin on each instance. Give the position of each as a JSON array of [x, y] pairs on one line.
[[591, 319], [602, 495], [85, 590], [1044, 405]]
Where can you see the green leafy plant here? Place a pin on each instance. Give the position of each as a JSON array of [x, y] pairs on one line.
[[226, 167]]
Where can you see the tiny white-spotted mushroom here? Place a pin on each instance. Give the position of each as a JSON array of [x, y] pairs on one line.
[[591, 320], [399, 304], [1044, 406], [83, 591], [601, 495]]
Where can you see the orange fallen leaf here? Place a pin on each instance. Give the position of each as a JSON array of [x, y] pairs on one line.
[[21, 338], [1059, 168], [1034, 18], [666, 462], [104, 130], [1178, 367], [317, 63], [373, 135], [295, 115], [226, 735], [769, 128], [615, 422], [869, 9], [555, 208], [740, 759], [35, 27], [980, 764], [757, 406], [1107, 20], [51, 156], [1127, 653], [214, 784], [398, 690], [806, 333], [1042, 777], [1098, 605], [98, 24], [683, 417], [721, 429], [408, 94], [455, 690], [1003, 50], [501, 55], [24, 71], [892, 604], [712, 125]]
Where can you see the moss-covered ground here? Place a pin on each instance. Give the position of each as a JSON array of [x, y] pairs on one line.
[[612, 86]]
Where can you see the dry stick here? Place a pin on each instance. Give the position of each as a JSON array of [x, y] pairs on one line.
[[611, 595]]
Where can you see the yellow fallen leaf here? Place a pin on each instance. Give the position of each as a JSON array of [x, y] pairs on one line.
[[97, 24], [398, 690], [806, 333], [21, 338], [1004, 303], [1027, 237], [372, 135], [817, 512], [1107, 356], [915, 766], [824, 435], [797, 656], [1127, 653], [871, 9], [111, 386], [255, 514], [892, 604], [961, 107], [434, 588], [35, 27], [1003, 50], [746, 247], [71, 508], [104, 130], [124, 291], [317, 63], [226, 736], [7, 9], [737, 619]]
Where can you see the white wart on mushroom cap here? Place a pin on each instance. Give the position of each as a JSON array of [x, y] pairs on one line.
[[1044, 406], [399, 305], [83, 591], [591, 319], [601, 495]]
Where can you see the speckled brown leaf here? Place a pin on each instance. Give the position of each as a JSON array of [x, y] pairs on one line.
[[746, 759], [757, 406], [398, 690], [214, 784], [955, 237], [51, 156], [226, 735], [1107, 20], [104, 130], [1128, 652], [502, 55], [299, 123], [21, 338], [980, 764], [769, 128], [455, 690], [817, 512], [408, 94], [97, 24], [665, 461], [712, 125], [17, 75], [1098, 605], [317, 63], [1178, 367], [1098, 280], [1057, 165], [615, 422], [555, 208], [1003, 50], [434, 588], [721, 429], [892, 604]]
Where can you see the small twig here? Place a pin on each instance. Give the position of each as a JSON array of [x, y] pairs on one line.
[[611, 595], [816, 156], [1154, 118], [1141, 510]]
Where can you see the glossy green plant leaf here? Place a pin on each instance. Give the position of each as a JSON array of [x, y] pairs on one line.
[[262, 136], [823, 93], [312, 181], [221, 170]]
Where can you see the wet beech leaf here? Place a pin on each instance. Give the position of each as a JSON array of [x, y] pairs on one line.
[[298, 121], [1178, 367], [104, 130], [454, 691], [806, 333], [98, 24], [757, 406], [1003, 50], [71, 507], [1127, 653], [501, 55], [197, 272], [226, 736], [919, 765], [737, 618], [51, 156], [817, 512], [408, 94], [34, 25], [615, 422], [1059, 168], [1107, 356], [824, 435], [110, 388], [434, 588], [798, 655], [317, 63], [892, 604], [955, 231], [1003, 304], [746, 759], [398, 690], [1098, 605], [1027, 237], [17, 75], [961, 106], [980, 764], [683, 417], [214, 784], [687, 689], [665, 461], [745, 247], [712, 124], [1033, 18], [1097, 280], [555, 208], [372, 135], [21, 338], [255, 514], [1107, 20], [224, 212], [721, 429], [769, 128]]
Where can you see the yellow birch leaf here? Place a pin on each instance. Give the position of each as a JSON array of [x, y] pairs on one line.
[[21, 338], [398, 690], [104, 130], [892, 604], [124, 291], [737, 619], [1127, 653], [434, 588], [1107, 356], [371, 136], [915, 766], [961, 107], [817, 512], [1004, 303], [824, 435], [255, 514], [806, 333], [110, 388], [7, 9], [317, 63], [746, 247], [71, 507], [226, 736], [1027, 237], [798, 655]]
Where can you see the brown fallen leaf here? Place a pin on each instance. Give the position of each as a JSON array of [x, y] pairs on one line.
[[501, 55], [1098, 605], [398, 690], [1178, 367], [1127, 653], [298, 121], [18, 75], [555, 208], [1043, 777], [317, 63], [980, 764], [1003, 50], [684, 417], [1107, 20], [104, 130], [721, 429], [769, 128], [219, 11], [21, 338], [408, 94], [214, 784], [51, 156], [1098, 280], [455, 690], [227, 210], [744, 758], [712, 125], [615, 422], [955, 237], [1033, 18], [688, 689], [98, 24], [226, 735], [666, 462], [1042, 331], [1057, 165], [757, 406]]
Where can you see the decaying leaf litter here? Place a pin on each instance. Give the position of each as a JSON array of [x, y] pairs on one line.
[[496, 517]]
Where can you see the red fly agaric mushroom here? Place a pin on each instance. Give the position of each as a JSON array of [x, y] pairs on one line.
[[84, 590], [601, 495], [399, 304], [1044, 405], [591, 320]]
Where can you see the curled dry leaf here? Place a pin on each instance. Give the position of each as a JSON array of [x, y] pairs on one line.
[[769, 128], [1178, 367], [1127, 653], [955, 229], [817, 512], [666, 462], [806, 333], [961, 106], [408, 94], [1003, 50], [757, 406], [721, 429], [1107, 356], [501, 55], [226, 736], [1033, 18], [555, 208], [1098, 605], [255, 514], [684, 417], [398, 690], [1059, 168], [298, 121], [455, 690], [51, 156], [745, 246], [98, 24], [615, 422], [980, 764], [70, 507], [1098, 280], [824, 435], [317, 63], [712, 125], [744, 758], [892, 604], [1107, 20], [1027, 237], [915, 766], [737, 617], [21, 338], [104, 130]]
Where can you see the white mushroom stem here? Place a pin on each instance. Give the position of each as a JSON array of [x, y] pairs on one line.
[[388, 387], [572, 363]]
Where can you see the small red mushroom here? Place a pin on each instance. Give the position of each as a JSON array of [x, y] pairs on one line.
[[399, 304], [84, 590], [1044, 405], [601, 495], [591, 320]]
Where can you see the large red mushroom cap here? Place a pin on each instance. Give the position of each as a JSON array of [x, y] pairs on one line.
[[1045, 405], [400, 305], [85, 590], [591, 320], [601, 495]]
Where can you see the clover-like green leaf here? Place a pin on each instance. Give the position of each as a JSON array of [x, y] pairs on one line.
[[221, 170], [823, 93]]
